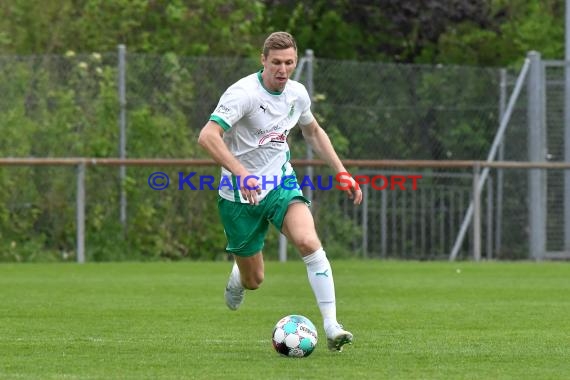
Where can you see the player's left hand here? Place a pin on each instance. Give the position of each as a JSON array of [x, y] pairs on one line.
[[352, 188]]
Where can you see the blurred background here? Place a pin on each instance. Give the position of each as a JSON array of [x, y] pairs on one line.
[[403, 80]]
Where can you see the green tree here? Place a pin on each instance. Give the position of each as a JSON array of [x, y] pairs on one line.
[[195, 27], [518, 27]]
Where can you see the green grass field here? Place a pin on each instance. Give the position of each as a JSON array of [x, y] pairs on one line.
[[411, 320]]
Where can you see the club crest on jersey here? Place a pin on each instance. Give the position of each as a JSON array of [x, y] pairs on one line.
[[292, 110]]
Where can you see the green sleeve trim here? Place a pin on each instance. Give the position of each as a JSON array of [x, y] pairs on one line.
[[225, 126]]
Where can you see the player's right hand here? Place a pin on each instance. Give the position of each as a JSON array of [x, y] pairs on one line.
[[250, 189]]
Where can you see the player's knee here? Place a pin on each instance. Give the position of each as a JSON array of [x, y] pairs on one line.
[[253, 281], [308, 244]]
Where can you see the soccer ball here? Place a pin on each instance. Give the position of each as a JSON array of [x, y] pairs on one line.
[[295, 336]]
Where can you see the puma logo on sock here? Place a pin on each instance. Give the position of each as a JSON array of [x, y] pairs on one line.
[[322, 273]]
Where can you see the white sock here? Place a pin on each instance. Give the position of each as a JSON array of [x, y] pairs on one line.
[[321, 279], [235, 277]]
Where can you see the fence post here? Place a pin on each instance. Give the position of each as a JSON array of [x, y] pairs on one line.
[[282, 248], [122, 134], [310, 89], [490, 221], [536, 153], [80, 213], [365, 221], [476, 213], [567, 128], [500, 172], [383, 224]]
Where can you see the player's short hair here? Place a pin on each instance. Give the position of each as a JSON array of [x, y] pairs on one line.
[[278, 41]]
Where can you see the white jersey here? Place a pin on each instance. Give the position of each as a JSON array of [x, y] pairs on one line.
[[256, 124]]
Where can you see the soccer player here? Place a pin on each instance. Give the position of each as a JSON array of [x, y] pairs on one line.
[[247, 135]]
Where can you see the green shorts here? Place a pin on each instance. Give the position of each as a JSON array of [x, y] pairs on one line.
[[246, 225]]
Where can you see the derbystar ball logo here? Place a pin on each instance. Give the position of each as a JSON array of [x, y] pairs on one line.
[[307, 330]]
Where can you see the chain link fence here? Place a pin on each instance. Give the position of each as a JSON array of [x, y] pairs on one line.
[[69, 106]]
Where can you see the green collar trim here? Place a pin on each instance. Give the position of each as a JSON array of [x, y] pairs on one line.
[[265, 88]]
